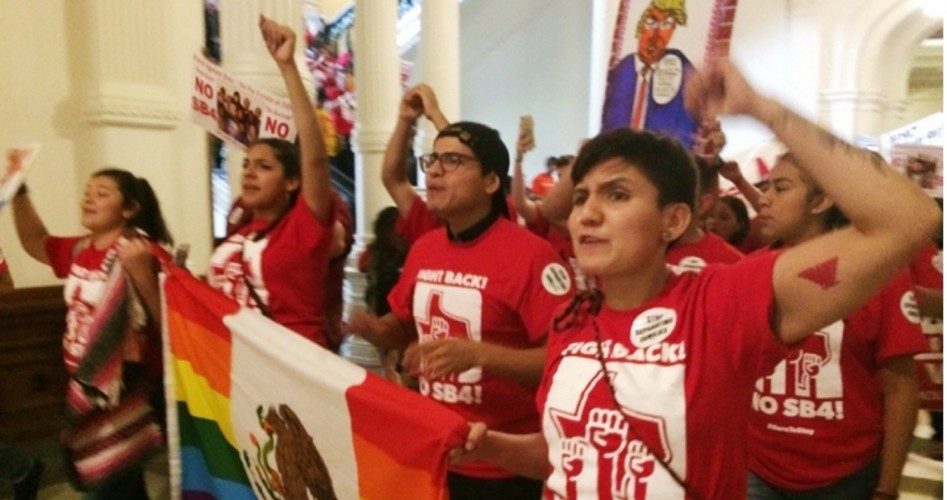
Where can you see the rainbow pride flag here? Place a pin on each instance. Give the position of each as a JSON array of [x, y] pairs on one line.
[[263, 413]]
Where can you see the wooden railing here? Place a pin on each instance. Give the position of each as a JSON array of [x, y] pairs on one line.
[[32, 376]]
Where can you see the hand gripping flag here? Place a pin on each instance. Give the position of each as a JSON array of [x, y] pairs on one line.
[[263, 413]]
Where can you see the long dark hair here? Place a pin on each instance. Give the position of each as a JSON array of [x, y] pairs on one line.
[[137, 193], [386, 255], [287, 153]]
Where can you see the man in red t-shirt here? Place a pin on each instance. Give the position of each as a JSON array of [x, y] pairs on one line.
[[479, 294]]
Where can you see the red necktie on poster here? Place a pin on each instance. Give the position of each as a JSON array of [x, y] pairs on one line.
[[641, 101]]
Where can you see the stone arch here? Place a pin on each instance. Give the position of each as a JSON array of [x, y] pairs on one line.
[[869, 63]]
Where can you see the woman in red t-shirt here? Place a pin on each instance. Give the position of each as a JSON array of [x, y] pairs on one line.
[[647, 385], [276, 260], [124, 221], [834, 417]]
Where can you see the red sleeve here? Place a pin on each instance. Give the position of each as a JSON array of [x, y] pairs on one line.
[[401, 297], [927, 268], [739, 299], [900, 321], [548, 286], [420, 219], [540, 226], [59, 251], [3, 264]]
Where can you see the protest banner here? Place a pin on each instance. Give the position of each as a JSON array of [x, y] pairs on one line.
[[654, 46], [236, 111]]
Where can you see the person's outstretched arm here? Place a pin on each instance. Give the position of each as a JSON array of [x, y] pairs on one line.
[[557, 204], [824, 279], [899, 387], [730, 171], [316, 187], [29, 227], [385, 332], [431, 108], [446, 356], [527, 209], [521, 454], [418, 100]]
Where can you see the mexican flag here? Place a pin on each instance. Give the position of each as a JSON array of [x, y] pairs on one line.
[[259, 412]]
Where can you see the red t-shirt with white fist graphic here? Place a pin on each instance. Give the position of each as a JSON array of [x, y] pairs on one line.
[[286, 267], [817, 416], [682, 367], [502, 288]]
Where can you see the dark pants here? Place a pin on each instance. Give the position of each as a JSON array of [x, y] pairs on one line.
[[858, 485], [127, 485], [513, 488], [15, 463]]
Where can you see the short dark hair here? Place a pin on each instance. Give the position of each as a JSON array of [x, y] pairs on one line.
[[137, 192], [663, 160]]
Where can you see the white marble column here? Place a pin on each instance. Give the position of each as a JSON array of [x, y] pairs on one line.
[[377, 94], [131, 88], [440, 62], [126, 84]]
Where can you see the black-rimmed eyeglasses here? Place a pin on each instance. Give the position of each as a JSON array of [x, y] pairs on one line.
[[449, 161]]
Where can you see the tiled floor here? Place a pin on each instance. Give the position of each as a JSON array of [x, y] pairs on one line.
[[56, 487], [923, 476]]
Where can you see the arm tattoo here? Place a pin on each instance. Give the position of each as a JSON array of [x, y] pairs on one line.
[[784, 118], [823, 274]]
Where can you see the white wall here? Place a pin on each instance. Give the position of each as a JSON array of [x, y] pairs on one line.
[[533, 57], [47, 63], [35, 83], [527, 58], [822, 58]]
